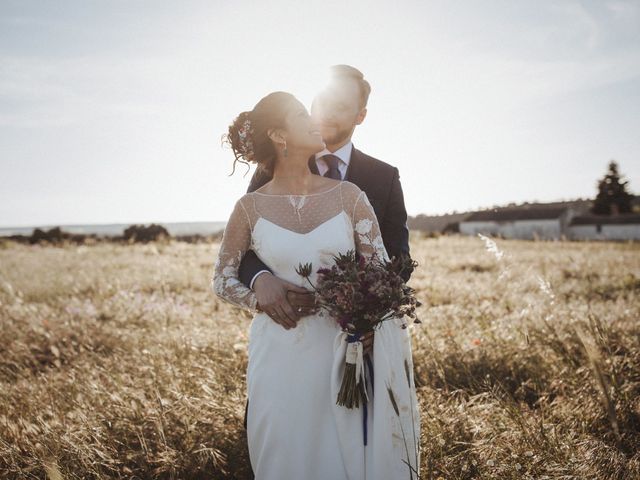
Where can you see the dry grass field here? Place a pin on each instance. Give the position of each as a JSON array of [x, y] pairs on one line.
[[120, 362]]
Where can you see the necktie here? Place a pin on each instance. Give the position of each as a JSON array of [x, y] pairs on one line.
[[332, 162]]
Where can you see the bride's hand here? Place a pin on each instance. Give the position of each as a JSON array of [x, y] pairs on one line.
[[303, 301], [271, 294]]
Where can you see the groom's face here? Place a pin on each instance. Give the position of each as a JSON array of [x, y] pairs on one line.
[[337, 110]]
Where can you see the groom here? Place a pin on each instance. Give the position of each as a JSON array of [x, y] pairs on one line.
[[337, 109]]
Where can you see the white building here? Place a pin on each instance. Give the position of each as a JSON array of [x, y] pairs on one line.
[[548, 223], [551, 223], [605, 227]]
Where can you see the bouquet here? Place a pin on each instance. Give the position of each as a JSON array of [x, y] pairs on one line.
[[361, 293]]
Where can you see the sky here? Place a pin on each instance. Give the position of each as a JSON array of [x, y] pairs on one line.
[[113, 111]]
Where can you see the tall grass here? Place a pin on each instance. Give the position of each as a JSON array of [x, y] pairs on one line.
[[119, 362]]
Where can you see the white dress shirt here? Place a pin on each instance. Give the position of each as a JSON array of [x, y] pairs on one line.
[[344, 154]]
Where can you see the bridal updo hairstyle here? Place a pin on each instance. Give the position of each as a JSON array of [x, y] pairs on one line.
[[249, 140]]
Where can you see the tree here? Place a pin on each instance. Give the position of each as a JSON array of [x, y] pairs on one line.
[[612, 197]]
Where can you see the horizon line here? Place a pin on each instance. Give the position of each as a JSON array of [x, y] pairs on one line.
[[451, 212]]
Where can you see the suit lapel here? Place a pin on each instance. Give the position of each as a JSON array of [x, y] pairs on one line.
[[359, 174], [353, 170]]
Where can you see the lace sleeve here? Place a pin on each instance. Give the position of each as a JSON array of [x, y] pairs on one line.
[[236, 240], [368, 238]]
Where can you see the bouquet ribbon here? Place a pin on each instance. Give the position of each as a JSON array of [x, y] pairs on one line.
[[355, 356]]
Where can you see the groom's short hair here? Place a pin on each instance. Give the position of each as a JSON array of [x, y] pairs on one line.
[[340, 72]]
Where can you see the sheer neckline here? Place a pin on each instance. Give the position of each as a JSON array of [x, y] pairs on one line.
[[340, 213], [296, 195]]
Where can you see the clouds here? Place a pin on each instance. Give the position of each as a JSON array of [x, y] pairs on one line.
[[596, 28], [56, 92], [578, 27], [627, 12]]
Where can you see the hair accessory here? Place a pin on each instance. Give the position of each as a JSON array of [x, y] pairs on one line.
[[246, 144]]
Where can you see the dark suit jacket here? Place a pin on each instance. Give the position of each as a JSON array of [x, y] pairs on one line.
[[380, 181]]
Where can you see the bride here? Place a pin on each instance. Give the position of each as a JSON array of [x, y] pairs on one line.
[[295, 429]]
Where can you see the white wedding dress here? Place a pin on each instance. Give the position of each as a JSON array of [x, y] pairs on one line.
[[295, 429]]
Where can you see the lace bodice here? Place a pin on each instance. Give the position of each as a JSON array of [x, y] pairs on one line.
[[300, 214]]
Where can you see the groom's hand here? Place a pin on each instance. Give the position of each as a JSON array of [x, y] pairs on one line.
[[283, 301]]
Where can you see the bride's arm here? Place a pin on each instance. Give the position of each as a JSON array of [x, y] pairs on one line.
[[368, 240], [367, 236], [236, 240]]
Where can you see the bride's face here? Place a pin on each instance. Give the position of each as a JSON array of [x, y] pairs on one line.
[[302, 133]]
